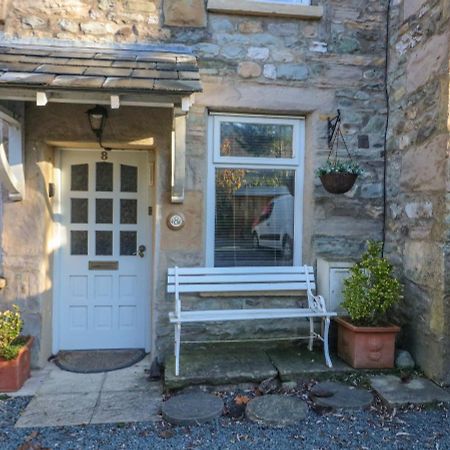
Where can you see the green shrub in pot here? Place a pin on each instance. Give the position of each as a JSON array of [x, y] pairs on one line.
[[371, 289]]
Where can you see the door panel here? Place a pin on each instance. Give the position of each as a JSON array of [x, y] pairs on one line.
[[104, 292]]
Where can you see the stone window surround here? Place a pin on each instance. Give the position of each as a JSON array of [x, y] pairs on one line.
[[265, 8]]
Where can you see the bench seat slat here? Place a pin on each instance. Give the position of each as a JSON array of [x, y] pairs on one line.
[[248, 287], [225, 278], [239, 270], [245, 314]]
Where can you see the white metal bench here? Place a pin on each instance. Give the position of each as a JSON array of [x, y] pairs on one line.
[[207, 280]]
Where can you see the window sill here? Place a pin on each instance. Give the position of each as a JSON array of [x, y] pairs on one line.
[[260, 8]]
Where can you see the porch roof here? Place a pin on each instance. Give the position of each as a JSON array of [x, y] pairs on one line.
[[114, 71]]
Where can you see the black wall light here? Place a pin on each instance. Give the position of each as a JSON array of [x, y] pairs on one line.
[[97, 120]]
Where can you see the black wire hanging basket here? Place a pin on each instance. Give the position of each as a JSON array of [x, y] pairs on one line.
[[338, 176]]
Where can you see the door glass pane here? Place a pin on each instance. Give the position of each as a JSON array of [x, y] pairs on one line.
[[256, 140], [79, 210], [79, 177], [104, 210], [128, 243], [128, 211], [104, 177], [128, 178], [78, 242], [254, 223], [103, 243]]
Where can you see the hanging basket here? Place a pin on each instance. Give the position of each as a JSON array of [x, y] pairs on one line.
[[338, 176], [339, 182]]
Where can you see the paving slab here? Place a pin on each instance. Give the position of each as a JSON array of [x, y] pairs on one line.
[[59, 410], [420, 391], [192, 408], [62, 382], [216, 365], [295, 362], [128, 406], [276, 410], [330, 394], [132, 378]]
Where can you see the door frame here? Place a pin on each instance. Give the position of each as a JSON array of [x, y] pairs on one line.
[[56, 249]]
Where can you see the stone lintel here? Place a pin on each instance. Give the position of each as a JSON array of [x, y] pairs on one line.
[[260, 8]]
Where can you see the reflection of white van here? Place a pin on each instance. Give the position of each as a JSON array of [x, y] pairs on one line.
[[275, 226]]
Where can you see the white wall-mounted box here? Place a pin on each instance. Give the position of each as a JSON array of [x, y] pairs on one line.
[[330, 282]]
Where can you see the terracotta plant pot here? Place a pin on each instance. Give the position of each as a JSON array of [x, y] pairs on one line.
[[339, 182], [366, 347], [14, 372]]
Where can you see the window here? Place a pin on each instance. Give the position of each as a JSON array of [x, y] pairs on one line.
[[300, 9], [254, 198]]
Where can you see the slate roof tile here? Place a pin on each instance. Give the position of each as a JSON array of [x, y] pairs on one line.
[[142, 69]]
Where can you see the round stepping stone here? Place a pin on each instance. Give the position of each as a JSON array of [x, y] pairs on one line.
[[276, 410], [192, 408], [325, 389], [342, 396]]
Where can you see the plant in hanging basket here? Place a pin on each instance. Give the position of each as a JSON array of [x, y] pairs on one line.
[[338, 177]]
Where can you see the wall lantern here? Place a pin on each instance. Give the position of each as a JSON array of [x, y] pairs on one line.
[[97, 120]]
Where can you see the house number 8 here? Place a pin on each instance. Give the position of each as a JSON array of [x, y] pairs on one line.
[[176, 221]]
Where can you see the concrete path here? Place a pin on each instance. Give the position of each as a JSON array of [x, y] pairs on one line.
[[67, 398]]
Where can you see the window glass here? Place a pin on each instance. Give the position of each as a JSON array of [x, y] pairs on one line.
[[78, 242], [104, 177], [103, 243], [79, 177], [256, 140], [104, 210], [79, 210], [254, 217], [128, 178]]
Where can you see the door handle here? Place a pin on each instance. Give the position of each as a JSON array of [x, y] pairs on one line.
[[141, 250]]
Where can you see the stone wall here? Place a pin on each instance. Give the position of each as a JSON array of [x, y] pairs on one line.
[[418, 176], [251, 64]]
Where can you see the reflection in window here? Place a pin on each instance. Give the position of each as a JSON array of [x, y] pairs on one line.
[[257, 140], [104, 177], [79, 177], [78, 242], [254, 222], [103, 243], [104, 210], [79, 210]]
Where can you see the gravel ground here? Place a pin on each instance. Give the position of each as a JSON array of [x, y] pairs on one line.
[[377, 428]]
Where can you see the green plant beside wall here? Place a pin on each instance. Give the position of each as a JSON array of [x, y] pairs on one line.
[[371, 289], [11, 325]]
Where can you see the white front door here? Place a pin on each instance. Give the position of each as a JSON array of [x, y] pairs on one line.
[[103, 295]]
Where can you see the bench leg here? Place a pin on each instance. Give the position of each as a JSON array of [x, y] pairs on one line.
[[311, 334], [177, 348], [326, 351]]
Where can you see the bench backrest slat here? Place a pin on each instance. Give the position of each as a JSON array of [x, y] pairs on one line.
[[239, 270], [248, 287], [231, 279], [240, 279]]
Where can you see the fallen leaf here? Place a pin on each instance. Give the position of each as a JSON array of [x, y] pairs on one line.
[[241, 399]]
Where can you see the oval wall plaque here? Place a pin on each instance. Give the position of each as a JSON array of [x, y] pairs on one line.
[[176, 221]]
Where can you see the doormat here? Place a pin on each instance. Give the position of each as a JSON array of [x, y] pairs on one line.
[[94, 361]]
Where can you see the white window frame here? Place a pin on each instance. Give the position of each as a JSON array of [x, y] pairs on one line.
[[215, 160]]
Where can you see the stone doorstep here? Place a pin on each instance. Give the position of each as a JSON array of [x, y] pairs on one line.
[[225, 365]]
